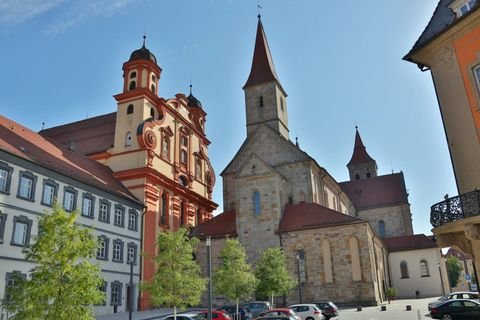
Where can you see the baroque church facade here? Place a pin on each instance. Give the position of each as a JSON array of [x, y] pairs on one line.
[[276, 195]]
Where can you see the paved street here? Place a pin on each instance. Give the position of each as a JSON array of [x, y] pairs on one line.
[[396, 310]]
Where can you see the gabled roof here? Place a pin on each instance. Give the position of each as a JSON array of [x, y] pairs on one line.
[[360, 155], [443, 18], [306, 215], [377, 191], [406, 243], [88, 136], [262, 70], [31, 146], [221, 225]]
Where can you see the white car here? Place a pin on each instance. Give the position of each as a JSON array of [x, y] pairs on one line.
[[307, 311]]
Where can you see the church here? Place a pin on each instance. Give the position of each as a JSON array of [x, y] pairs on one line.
[[276, 195]]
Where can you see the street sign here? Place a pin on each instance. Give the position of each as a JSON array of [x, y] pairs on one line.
[[468, 277]]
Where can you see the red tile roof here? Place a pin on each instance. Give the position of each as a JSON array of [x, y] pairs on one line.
[[88, 136], [406, 243], [306, 215], [360, 154], [31, 146], [262, 70], [222, 225], [377, 191]]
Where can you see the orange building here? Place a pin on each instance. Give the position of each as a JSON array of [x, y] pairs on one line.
[[449, 48], [156, 147]]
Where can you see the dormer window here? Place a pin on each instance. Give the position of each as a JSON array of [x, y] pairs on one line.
[[464, 7]]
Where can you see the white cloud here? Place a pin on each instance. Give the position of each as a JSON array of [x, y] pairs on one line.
[[18, 11]]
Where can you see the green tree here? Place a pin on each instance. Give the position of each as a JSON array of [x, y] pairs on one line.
[[272, 274], [234, 277], [177, 282], [454, 270], [63, 284]]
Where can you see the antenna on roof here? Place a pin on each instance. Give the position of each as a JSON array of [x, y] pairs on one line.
[[258, 8]]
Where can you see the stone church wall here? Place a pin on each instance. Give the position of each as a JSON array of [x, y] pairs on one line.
[[397, 219]]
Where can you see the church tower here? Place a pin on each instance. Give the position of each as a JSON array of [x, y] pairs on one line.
[[265, 98], [361, 165]]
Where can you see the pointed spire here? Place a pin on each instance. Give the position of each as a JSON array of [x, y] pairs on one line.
[[360, 154], [144, 38], [262, 69]]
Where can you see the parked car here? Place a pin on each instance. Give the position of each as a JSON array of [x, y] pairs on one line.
[[278, 317], [462, 309], [329, 309], [307, 311], [454, 295], [257, 307], [280, 312], [216, 315], [186, 316], [244, 312]]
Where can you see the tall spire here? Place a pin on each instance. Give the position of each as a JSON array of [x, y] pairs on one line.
[[361, 166], [262, 69]]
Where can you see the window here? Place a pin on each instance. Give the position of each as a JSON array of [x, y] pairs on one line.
[[21, 231], [381, 228], [104, 213], [166, 147], [152, 88], [49, 192], [183, 181], [256, 203], [369, 175], [424, 269], [184, 150], [184, 157], [198, 169], [357, 177], [119, 213], [128, 139], [5, 177], [466, 7], [153, 78], [117, 250], [182, 213], [404, 270], [260, 102], [3, 221], [130, 109], [70, 199], [132, 85], [198, 217], [163, 208], [88, 205], [10, 280], [132, 253], [281, 103], [132, 220], [476, 71], [26, 185], [300, 256], [133, 75], [116, 294], [102, 249]]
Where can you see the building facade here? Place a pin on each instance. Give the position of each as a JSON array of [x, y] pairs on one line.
[[156, 147], [34, 173], [450, 50]]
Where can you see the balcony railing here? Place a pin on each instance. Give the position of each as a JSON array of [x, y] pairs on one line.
[[455, 208]]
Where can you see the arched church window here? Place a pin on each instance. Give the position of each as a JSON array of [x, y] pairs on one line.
[[133, 75], [404, 270], [130, 109], [424, 269], [381, 228], [153, 78], [355, 256], [256, 203], [128, 139], [300, 257], [132, 85], [163, 208], [261, 101]]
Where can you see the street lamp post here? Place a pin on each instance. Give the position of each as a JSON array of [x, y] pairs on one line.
[[299, 279], [130, 302], [209, 274]]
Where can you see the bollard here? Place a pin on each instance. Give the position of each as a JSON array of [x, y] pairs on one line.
[[409, 307], [384, 308], [359, 308]]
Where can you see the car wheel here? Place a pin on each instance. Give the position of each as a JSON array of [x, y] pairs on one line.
[[447, 317], [309, 318]]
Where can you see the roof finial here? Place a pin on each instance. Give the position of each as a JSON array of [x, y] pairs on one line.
[[190, 88], [296, 142], [144, 38], [43, 125], [258, 8]]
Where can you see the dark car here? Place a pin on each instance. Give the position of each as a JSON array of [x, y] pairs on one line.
[[461, 309], [329, 309], [454, 295], [244, 312]]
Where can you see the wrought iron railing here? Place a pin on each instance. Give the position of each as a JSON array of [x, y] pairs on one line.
[[455, 208]]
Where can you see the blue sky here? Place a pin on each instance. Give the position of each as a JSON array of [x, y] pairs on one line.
[[339, 61]]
